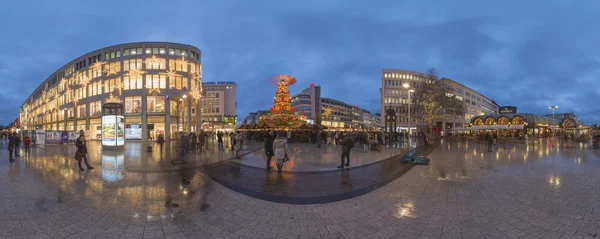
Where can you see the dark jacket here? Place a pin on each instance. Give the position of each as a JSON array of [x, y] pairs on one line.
[[347, 144], [489, 138], [269, 144], [161, 139], [81, 146], [219, 137]]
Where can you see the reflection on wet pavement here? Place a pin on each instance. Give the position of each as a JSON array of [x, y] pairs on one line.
[[520, 190], [308, 157]]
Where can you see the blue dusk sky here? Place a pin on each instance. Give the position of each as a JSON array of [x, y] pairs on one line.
[[530, 54]]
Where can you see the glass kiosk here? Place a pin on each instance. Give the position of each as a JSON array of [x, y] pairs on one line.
[[113, 126]]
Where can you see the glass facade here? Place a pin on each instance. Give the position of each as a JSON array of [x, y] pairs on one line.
[[139, 75]]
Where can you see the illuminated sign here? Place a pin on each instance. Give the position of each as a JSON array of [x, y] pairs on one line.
[[508, 110], [113, 130]]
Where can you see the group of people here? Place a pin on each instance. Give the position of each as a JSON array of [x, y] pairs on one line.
[[14, 145], [276, 145]]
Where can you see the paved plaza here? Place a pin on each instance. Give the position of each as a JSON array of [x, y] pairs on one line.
[[533, 189]]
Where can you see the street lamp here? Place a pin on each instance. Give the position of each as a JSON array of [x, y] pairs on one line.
[[553, 107], [406, 86]]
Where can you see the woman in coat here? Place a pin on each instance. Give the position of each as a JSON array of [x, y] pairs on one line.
[[82, 149], [280, 149]]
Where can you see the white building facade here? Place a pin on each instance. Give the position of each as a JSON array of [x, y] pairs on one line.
[[218, 106]]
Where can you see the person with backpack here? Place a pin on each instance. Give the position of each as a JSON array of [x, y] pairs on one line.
[[27, 143], [347, 145]]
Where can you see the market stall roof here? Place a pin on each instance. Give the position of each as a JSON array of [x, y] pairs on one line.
[[530, 119]]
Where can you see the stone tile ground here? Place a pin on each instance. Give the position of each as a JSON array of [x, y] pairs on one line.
[[520, 190]]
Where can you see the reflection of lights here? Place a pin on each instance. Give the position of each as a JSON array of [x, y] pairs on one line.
[[405, 210], [554, 180], [498, 155]]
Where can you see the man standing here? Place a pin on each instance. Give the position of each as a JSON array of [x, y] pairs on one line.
[[201, 139], [27, 143], [269, 149], [11, 147], [220, 140], [161, 141], [347, 145]]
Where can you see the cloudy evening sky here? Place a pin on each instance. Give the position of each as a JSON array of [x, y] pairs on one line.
[[530, 54]]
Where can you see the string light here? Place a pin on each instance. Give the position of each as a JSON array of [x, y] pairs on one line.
[[135, 73]]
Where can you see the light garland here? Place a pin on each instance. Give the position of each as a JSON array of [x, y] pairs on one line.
[[135, 73], [97, 66], [171, 74], [327, 111], [154, 89], [110, 69], [183, 62], [119, 85], [113, 99]]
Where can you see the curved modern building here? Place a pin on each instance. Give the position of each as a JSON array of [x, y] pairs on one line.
[[159, 83]]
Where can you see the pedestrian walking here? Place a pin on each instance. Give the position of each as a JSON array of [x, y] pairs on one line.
[[220, 141], [201, 140], [319, 138], [17, 138], [490, 141], [280, 150], [240, 143], [269, 149], [11, 148], [347, 145], [161, 141], [193, 141], [82, 153], [27, 143]]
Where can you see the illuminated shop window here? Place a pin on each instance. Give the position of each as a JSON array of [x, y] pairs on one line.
[[155, 50], [177, 82], [178, 65], [132, 83], [95, 108], [133, 105], [155, 104]]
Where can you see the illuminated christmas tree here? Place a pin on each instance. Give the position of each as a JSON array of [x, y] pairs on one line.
[[282, 113]]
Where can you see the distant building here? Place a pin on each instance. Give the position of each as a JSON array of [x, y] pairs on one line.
[[395, 96], [218, 106], [253, 117], [334, 113], [305, 103]]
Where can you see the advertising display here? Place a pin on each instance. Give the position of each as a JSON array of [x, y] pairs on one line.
[[134, 131], [120, 130], [508, 110], [52, 137], [109, 130], [39, 137]]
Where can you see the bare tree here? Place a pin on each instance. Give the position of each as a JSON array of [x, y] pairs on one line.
[[434, 100]]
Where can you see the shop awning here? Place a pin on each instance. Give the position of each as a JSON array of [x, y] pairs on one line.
[[490, 127]]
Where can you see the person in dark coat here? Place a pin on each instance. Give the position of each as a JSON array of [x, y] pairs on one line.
[[161, 141], [269, 149], [490, 141], [347, 145], [82, 149], [11, 147], [17, 139]]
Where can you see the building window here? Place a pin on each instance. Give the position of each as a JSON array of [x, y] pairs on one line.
[[178, 65], [160, 64], [177, 52], [156, 81], [155, 104], [133, 105], [95, 108], [132, 83], [132, 51], [112, 54], [155, 50], [132, 64], [177, 82], [81, 111]]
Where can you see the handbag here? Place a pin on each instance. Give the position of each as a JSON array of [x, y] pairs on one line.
[[78, 156]]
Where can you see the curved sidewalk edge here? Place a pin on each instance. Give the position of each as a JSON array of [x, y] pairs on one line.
[[310, 187]]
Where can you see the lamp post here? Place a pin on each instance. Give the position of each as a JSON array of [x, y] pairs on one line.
[[183, 112], [406, 86], [553, 107]]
